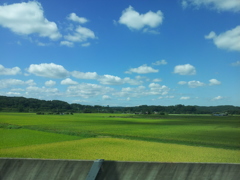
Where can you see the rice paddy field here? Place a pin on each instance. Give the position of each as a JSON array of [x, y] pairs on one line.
[[122, 137]]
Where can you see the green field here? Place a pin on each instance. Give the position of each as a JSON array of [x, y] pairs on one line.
[[172, 138]]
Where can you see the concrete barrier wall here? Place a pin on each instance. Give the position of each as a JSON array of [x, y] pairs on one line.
[[168, 171], [39, 169], [36, 169]]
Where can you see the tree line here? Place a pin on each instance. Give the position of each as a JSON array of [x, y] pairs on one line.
[[22, 104]]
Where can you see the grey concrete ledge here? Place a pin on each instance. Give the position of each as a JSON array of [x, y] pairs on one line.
[[42, 169]]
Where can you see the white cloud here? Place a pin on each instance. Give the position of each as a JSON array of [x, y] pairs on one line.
[[194, 84], [169, 97], [66, 43], [134, 20], [17, 89], [132, 81], [127, 89], [221, 5], [217, 98], [144, 69], [237, 63], [82, 75], [9, 71], [142, 78], [184, 98], [110, 80], [86, 44], [214, 82], [229, 40], [50, 83], [157, 80], [75, 18], [13, 93], [6, 83], [182, 82], [184, 4], [87, 90], [157, 89], [28, 18], [150, 31], [186, 69], [48, 70], [68, 81], [81, 34], [106, 79], [30, 82], [33, 90], [211, 35], [130, 91], [161, 62], [106, 97], [42, 44]]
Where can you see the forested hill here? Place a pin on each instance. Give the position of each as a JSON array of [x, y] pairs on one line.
[[21, 104]]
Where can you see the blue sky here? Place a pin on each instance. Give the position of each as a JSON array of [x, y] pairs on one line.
[[122, 52]]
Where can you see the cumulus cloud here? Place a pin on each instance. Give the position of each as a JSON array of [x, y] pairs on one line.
[[105, 79], [220, 5], [7, 83], [182, 82], [153, 89], [161, 62], [169, 97], [68, 81], [229, 40], [87, 90], [75, 18], [217, 98], [30, 82], [184, 4], [186, 69], [86, 44], [184, 98], [214, 82], [106, 97], [67, 43], [157, 89], [144, 69], [82, 75], [237, 63], [142, 78], [48, 70], [33, 90], [194, 84], [28, 18], [13, 93], [50, 83], [157, 80], [110, 80], [132, 81], [9, 71], [78, 33], [17, 89], [81, 34], [131, 92], [134, 20]]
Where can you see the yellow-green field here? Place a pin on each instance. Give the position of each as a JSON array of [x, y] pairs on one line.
[[121, 137]]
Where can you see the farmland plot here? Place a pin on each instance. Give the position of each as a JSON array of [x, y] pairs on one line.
[[121, 137]]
